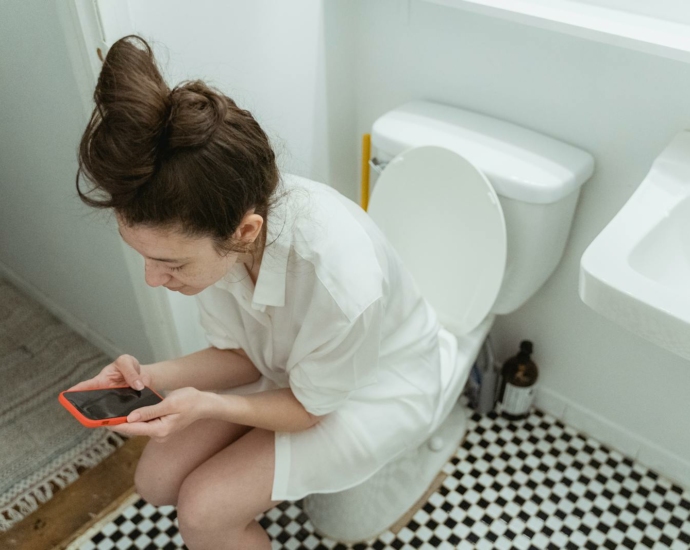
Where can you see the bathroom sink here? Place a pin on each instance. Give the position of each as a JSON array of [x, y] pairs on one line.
[[663, 255], [636, 272]]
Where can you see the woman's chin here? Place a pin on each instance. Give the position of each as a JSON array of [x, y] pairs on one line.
[[187, 290], [180, 289]]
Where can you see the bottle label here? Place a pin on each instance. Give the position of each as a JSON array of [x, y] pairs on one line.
[[518, 400]]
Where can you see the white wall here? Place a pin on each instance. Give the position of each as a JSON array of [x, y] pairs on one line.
[[270, 56], [623, 107], [51, 245]]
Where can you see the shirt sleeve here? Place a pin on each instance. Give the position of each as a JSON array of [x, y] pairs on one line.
[[346, 358], [216, 335]]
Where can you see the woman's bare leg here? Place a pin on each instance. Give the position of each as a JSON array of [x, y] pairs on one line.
[[164, 466], [219, 501]]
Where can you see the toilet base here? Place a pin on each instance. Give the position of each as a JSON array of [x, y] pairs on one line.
[[367, 510]]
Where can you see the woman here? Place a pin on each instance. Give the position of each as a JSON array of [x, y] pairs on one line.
[[324, 361]]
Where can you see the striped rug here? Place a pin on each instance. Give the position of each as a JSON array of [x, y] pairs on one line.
[[42, 447]]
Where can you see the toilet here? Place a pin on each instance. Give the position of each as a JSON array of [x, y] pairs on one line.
[[479, 211]]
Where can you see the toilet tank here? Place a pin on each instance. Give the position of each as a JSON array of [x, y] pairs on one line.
[[536, 178]]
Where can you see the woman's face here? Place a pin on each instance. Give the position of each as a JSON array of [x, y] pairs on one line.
[[184, 264]]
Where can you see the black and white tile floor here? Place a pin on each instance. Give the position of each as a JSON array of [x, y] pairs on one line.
[[534, 484]]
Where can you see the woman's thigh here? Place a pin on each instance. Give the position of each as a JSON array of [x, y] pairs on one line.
[[164, 466], [232, 487]]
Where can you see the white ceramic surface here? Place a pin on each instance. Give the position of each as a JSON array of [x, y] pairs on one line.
[[636, 272], [443, 218], [537, 180], [520, 164]]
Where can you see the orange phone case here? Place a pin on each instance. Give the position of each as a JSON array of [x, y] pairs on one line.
[[89, 423]]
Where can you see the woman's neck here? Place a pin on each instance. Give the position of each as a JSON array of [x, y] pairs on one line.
[[253, 268], [252, 260]]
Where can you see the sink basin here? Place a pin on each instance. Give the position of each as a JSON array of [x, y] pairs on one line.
[[636, 272], [663, 255]]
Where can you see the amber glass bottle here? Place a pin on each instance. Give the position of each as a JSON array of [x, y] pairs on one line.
[[518, 383]]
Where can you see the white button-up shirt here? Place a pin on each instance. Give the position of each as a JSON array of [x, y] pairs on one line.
[[336, 317]]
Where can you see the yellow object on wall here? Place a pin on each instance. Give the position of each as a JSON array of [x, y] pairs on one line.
[[364, 187]]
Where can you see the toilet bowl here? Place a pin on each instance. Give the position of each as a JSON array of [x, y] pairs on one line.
[[479, 211]]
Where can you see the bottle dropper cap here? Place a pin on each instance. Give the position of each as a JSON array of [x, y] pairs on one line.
[[526, 347]]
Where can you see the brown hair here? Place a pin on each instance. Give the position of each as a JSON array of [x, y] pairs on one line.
[[187, 159]]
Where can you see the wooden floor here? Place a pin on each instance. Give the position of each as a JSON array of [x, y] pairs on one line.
[[74, 509]]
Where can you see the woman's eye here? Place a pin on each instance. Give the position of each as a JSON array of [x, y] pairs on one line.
[[176, 268]]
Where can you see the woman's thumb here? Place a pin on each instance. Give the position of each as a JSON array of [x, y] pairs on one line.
[[144, 414]]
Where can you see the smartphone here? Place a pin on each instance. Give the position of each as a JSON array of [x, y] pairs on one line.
[[106, 406]]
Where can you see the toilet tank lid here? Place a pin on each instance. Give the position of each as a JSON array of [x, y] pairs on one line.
[[520, 164]]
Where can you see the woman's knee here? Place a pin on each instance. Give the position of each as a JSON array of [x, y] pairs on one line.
[[198, 505], [163, 466], [155, 483]]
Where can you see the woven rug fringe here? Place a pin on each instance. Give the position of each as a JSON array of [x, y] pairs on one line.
[[28, 502]]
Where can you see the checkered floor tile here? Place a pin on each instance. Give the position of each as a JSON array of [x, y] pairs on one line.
[[533, 484]]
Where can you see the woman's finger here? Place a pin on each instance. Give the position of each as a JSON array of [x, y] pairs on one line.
[[129, 367], [92, 384]]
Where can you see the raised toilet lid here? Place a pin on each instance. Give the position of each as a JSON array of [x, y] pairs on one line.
[[443, 218]]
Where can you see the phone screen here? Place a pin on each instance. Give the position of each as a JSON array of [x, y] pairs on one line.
[[111, 402]]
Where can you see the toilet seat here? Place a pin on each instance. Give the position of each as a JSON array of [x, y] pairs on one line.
[[444, 219]]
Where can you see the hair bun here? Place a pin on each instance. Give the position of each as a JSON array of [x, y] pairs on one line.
[[196, 112], [131, 104], [188, 157]]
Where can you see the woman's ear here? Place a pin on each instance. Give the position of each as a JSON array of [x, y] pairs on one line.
[[250, 228]]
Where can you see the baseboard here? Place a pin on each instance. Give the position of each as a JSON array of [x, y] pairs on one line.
[[76, 324], [614, 436]]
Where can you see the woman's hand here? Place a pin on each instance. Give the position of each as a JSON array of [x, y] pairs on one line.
[[177, 411], [124, 371]]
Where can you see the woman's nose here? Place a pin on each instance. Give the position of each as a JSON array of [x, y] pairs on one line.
[[154, 276]]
